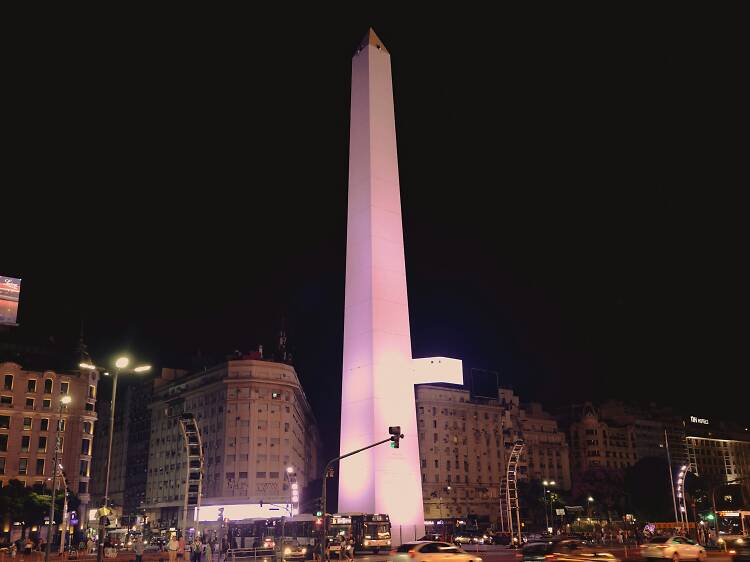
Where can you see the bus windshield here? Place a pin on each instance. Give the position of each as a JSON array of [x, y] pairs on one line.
[[729, 525], [378, 529]]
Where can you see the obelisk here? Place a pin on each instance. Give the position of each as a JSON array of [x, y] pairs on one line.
[[377, 385]]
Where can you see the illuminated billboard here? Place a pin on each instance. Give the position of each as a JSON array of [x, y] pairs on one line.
[[10, 290]]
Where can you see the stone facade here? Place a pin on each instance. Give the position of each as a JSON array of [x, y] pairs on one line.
[[254, 420], [465, 442], [30, 409]]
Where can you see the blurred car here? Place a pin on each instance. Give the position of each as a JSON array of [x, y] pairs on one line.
[[469, 537], [675, 548], [430, 551], [292, 550], [740, 550], [500, 538], [432, 537], [568, 550]]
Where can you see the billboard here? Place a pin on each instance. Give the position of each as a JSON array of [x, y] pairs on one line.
[[10, 290]]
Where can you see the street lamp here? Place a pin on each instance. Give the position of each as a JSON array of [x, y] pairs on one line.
[[64, 401], [121, 364], [547, 516]]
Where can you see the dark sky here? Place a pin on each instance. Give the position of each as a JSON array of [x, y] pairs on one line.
[[570, 189]]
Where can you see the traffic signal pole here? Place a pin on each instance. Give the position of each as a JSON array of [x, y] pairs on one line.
[[394, 438]]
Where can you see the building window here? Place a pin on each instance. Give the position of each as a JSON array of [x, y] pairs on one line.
[[88, 427], [40, 467], [64, 386], [61, 425], [257, 475], [276, 395], [3, 442], [31, 385], [85, 447], [4, 422], [8, 382], [62, 443], [47, 403], [44, 424], [27, 424], [23, 466], [48, 386], [89, 407], [2, 465], [243, 475], [6, 400], [84, 468], [83, 487], [42, 444], [92, 391], [30, 403], [25, 443], [274, 475]]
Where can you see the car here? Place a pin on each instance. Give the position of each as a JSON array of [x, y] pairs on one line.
[[740, 550], [469, 537], [292, 550], [432, 551], [500, 538], [675, 548], [565, 550]]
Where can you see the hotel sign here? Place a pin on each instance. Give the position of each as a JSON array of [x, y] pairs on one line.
[[698, 420]]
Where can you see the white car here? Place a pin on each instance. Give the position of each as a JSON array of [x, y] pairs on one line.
[[674, 548], [429, 551]]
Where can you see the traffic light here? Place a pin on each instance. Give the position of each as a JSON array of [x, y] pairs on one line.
[[317, 506], [395, 431]]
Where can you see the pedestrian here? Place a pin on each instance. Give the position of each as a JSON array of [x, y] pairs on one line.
[[195, 551], [138, 548], [181, 549], [210, 551], [350, 548], [172, 547]]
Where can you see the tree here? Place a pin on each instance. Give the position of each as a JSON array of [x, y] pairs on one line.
[[605, 485], [649, 491]]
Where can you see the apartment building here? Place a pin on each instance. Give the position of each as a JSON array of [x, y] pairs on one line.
[[31, 410], [255, 422], [464, 444]]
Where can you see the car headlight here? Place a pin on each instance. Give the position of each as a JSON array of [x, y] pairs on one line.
[[740, 541], [287, 551], [304, 551]]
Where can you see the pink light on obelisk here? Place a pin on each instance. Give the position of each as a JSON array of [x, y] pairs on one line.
[[378, 386]]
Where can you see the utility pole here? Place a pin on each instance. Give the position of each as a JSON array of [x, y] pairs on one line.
[[396, 434], [671, 477]]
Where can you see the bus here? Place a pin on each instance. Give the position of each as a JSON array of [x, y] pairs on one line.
[[371, 531], [733, 525]]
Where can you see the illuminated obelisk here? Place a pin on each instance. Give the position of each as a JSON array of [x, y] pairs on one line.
[[377, 387]]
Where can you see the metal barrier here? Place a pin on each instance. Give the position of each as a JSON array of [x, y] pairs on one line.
[[259, 552]]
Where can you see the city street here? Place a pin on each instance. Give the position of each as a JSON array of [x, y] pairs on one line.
[[487, 553]]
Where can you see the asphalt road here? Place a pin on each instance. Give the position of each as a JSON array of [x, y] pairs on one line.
[[502, 554]]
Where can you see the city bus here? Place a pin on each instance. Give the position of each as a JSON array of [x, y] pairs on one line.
[[371, 531], [733, 525]]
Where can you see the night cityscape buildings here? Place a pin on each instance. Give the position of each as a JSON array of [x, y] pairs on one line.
[[550, 232], [31, 410]]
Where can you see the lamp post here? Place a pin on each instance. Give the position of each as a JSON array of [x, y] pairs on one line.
[[64, 401], [121, 365], [590, 505], [547, 515]]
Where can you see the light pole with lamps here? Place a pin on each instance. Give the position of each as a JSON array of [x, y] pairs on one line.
[[121, 365], [547, 515], [64, 401]]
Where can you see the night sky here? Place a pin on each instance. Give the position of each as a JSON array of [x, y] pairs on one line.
[[570, 192]]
